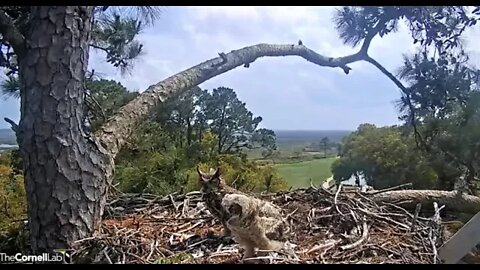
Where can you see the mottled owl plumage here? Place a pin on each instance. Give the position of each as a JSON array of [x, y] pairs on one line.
[[255, 223], [213, 189]]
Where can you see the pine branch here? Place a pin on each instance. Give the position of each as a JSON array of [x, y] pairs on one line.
[[11, 34], [372, 33], [114, 133]]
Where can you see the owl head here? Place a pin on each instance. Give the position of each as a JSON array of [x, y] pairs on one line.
[[210, 181], [238, 205]]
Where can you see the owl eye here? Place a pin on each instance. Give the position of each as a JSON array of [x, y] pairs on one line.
[[235, 209]]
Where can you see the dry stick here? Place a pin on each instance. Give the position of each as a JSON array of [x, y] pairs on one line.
[[106, 256], [184, 219], [325, 245], [415, 216], [173, 202], [185, 206], [355, 219], [199, 242], [367, 199], [291, 214], [336, 199], [388, 189], [136, 256], [360, 241], [384, 218], [98, 257], [436, 220], [189, 228], [405, 211], [87, 239], [152, 248]]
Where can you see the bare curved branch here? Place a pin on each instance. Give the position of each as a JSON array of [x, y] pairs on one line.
[[114, 133], [387, 73], [406, 93], [117, 129]]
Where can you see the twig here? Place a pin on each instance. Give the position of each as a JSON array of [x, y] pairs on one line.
[[360, 241], [385, 218], [415, 216], [436, 223], [355, 219], [336, 199], [388, 189], [152, 248], [234, 183], [291, 214], [106, 256], [322, 246], [191, 227], [185, 206], [173, 202]]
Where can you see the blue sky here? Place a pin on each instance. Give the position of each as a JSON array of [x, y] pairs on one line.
[[288, 92]]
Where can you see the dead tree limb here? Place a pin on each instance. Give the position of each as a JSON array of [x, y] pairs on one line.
[[451, 199], [118, 128]]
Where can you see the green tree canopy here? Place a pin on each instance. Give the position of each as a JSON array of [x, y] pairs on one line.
[[384, 158], [444, 92], [194, 112]]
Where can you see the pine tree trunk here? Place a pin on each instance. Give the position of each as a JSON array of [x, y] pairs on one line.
[[65, 171]]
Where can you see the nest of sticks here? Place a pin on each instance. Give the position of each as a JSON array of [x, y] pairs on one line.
[[330, 227]]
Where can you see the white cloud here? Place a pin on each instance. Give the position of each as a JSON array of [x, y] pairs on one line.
[[299, 88]]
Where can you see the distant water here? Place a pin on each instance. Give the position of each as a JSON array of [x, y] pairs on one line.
[[351, 181], [2, 145]]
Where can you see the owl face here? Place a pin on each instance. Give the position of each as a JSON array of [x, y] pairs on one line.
[[238, 205], [235, 209], [209, 182]]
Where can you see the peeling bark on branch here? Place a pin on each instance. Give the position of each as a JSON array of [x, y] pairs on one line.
[[452, 200], [117, 129]]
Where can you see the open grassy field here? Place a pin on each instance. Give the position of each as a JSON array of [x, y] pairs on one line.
[[286, 149], [298, 174], [298, 171]]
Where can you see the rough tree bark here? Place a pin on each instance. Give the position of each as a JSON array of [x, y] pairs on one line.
[[65, 170]]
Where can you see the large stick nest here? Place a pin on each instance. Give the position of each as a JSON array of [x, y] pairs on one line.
[[329, 228]]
